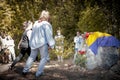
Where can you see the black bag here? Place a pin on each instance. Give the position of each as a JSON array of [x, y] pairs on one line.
[[25, 41]]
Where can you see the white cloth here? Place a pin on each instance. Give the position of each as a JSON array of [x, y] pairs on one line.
[[10, 45], [78, 41], [3, 43], [29, 32]]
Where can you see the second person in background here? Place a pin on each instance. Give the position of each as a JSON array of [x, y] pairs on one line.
[[24, 43]]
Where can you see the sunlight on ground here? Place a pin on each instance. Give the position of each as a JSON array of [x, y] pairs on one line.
[[54, 65], [35, 66]]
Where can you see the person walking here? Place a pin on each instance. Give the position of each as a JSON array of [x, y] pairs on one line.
[[41, 40], [24, 43]]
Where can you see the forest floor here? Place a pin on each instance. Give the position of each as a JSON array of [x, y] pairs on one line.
[[57, 71]]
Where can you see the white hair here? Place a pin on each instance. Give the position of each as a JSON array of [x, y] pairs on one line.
[[44, 14]]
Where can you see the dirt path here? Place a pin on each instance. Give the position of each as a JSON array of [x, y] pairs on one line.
[[56, 71], [3, 67]]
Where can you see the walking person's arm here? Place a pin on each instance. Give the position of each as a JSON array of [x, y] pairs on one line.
[[49, 36], [19, 43]]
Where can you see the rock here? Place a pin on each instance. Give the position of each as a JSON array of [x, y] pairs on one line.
[[116, 69], [105, 58]]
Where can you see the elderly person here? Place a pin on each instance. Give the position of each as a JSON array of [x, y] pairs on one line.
[[41, 40]]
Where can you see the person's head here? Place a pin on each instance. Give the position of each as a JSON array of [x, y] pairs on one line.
[[25, 24], [45, 15], [78, 33], [4, 35], [29, 25], [58, 32]]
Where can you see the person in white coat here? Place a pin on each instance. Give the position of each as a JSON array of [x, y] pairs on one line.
[[41, 40], [10, 44]]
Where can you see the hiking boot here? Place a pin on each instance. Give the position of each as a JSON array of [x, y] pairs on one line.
[[37, 77], [11, 68], [24, 73]]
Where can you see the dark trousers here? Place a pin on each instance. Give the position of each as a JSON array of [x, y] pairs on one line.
[[23, 51]]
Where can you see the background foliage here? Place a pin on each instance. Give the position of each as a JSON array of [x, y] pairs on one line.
[[69, 15]]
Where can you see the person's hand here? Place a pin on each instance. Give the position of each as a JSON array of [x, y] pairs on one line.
[[49, 48]]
